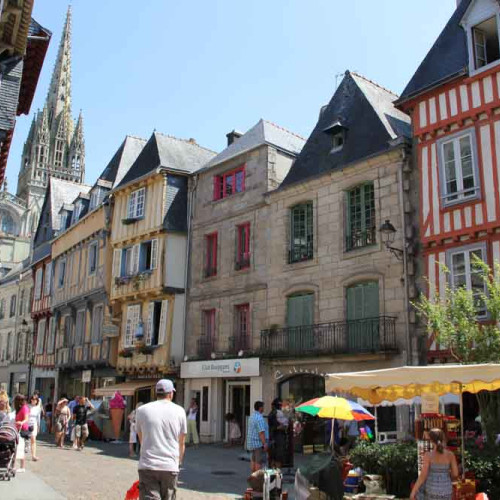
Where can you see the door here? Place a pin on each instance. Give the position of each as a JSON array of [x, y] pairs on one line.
[[239, 406], [363, 317], [196, 395], [300, 317]]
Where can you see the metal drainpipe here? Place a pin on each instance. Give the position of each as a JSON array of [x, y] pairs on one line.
[[405, 260]]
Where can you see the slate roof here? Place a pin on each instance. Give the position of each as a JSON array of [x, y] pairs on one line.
[[447, 58], [263, 132], [366, 113], [11, 73], [168, 152], [13, 274], [123, 159], [62, 192]]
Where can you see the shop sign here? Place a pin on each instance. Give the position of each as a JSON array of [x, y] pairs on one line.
[[110, 330], [430, 403], [293, 370], [247, 367], [86, 376]]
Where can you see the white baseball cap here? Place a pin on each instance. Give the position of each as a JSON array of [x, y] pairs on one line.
[[164, 386]]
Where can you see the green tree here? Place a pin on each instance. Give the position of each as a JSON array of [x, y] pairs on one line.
[[452, 318]]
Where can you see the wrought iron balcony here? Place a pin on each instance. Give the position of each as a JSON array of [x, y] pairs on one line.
[[205, 347], [370, 335], [300, 252], [361, 239], [239, 343]]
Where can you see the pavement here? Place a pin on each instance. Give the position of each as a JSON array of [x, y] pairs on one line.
[[103, 471]]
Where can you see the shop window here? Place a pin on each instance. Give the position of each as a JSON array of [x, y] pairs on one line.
[[204, 404], [300, 388]]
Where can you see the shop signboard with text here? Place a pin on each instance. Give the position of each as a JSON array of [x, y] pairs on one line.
[[219, 368]]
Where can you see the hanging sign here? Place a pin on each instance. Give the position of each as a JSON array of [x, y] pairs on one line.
[[430, 403], [86, 376]]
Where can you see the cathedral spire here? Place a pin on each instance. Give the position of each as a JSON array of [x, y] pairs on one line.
[[59, 95]]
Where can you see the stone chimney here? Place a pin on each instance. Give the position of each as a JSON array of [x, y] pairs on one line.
[[233, 136]]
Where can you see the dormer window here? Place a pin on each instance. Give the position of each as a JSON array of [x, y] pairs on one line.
[[338, 141], [485, 42], [97, 197]]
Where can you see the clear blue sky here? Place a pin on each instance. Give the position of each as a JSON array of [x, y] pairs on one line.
[[200, 68]]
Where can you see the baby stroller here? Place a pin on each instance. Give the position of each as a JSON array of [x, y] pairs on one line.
[[9, 438]]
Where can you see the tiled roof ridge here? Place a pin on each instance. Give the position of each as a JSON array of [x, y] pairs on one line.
[[355, 73], [193, 142], [284, 129], [132, 136]]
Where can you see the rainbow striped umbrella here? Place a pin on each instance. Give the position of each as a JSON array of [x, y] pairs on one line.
[[334, 407]]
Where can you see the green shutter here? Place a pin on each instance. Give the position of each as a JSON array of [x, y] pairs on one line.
[[362, 314]]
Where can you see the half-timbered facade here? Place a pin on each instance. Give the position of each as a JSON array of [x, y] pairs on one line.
[[454, 102], [148, 238], [58, 193], [81, 258]]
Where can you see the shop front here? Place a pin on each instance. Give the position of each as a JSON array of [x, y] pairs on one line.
[[222, 387], [19, 377]]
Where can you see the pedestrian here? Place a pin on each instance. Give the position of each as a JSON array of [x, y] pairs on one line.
[[62, 417], [48, 416], [34, 421], [80, 413], [257, 437], [5, 411], [438, 471], [70, 431], [278, 425], [132, 440], [352, 432], [192, 431], [161, 428], [22, 423]]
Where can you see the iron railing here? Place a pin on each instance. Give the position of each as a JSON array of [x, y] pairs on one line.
[[361, 239], [300, 252], [239, 343], [341, 337], [205, 347]]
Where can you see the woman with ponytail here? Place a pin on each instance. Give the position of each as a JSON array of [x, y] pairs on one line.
[[438, 471]]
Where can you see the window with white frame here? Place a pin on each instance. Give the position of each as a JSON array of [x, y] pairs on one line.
[[61, 273], [135, 259], [96, 197], [97, 316], [148, 255], [157, 322], [47, 279], [38, 283], [80, 327], [77, 210], [464, 272], [485, 42], [40, 336], [133, 319], [458, 168], [136, 203], [93, 252], [52, 335]]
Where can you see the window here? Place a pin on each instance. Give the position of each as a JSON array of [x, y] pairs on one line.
[[40, 338], [337, 141], [301, 232], [52, 335], [209, 324], [2, 309], [464, 273], [133, 319], [148, 255], [80, 327], [96, 197], [8, 347], [211, 255], [229, 183], [361, 224], [485, 42], [458, 168], [64, 220], [62, 273], [68, 327], [157, 322], [97, 317], [242, 337], [93, 248], [12, 311], [243, 246], [206, 344], [47, 280], [21, 303], [38, 283], [136, 204], [77, 210]]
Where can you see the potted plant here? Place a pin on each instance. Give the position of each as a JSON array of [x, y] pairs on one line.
[[125, 353]]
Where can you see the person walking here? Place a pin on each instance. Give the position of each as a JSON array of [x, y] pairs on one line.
[[161, 428], [257, 437], [192, 431], [62, 417], [48, 416], [132, 440], [34, 422], [80, 414], [278, 425], [438, 471], [22, 423], [70, 431]]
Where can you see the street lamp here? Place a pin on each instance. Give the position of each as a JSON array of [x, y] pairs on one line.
[[388, 232]]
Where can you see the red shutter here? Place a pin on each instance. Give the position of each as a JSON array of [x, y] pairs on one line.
[[217, 184]]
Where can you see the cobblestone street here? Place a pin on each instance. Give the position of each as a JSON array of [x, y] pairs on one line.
[[103, 471]]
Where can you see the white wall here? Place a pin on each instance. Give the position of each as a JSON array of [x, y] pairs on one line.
[[175, 260]]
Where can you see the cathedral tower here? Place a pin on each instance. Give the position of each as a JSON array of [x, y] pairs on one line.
[[55, 146]]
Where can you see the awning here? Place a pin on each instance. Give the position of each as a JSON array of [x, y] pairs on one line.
[[447, 399], [407, 382], [126, 388]]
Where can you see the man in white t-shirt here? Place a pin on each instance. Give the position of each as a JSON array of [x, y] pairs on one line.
[[161, 427]]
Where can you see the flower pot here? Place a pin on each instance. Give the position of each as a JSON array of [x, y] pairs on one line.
[[116, 420]]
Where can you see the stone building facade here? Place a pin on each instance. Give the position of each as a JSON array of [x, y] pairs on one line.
[[229, 251]]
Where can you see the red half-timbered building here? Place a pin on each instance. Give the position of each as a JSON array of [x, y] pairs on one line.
[[454, 102]]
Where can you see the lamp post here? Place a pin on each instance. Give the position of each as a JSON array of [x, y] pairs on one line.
[[388, 232]]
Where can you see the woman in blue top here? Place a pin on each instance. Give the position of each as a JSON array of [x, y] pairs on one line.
[[438, 471]]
